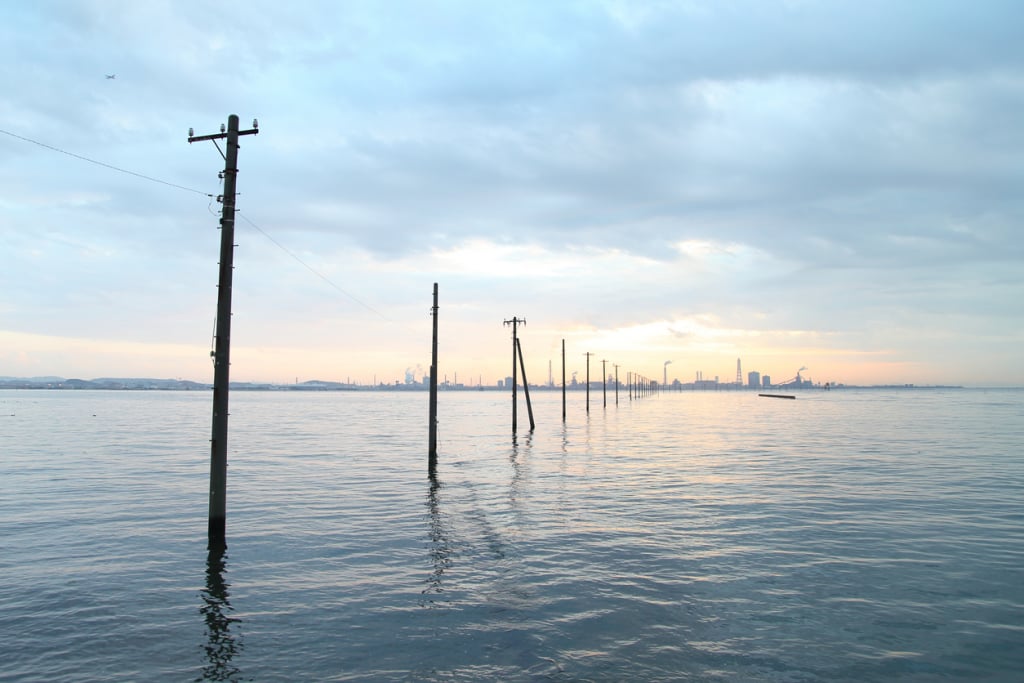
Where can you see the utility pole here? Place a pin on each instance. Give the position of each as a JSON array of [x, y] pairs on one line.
[[616, 384], [526, 384], [222, 345], [563, 380], [432, 448], [588, 354], [514, 322]]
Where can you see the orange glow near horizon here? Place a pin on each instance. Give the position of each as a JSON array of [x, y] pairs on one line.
[[638, 349]]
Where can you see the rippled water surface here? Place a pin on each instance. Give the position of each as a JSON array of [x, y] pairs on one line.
[[843, 536]]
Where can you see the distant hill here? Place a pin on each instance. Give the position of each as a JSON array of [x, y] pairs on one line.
[[149, 383], [138, 383]]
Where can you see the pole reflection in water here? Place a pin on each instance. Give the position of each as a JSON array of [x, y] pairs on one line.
[[515, 459], [440, 548], [221, 644]]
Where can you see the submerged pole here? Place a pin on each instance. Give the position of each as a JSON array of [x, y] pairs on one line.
[[526, 386], [222, 349], [222, 341], [588, 354], [514, 322], [563, 380], [432, 448], [514, 382]]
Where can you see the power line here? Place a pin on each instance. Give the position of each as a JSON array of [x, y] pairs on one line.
[[104, 165], [205, 194], [313, 270]]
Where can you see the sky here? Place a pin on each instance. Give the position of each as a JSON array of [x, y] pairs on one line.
[[835, 186]]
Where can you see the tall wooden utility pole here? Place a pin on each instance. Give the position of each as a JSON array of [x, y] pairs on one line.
[[514, 322], [563, 380], [432, 448], [222, 345]]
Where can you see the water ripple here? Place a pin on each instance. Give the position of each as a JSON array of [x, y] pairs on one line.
[[849, 536]]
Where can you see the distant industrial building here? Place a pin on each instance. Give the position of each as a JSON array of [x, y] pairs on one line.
[[754, 379]]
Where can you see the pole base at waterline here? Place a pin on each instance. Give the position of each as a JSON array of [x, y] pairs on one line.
[[215, 534]]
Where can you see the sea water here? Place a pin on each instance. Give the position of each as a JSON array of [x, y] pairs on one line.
[[850, 535]]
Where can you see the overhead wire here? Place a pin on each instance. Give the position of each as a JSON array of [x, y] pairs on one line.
[[105, 165], [205, 194], [313, 270]]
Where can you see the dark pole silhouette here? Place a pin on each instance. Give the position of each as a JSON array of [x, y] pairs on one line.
[[526, 386], [432, 449], [563, 380], [222, 343], [588, 354], [514, 322]]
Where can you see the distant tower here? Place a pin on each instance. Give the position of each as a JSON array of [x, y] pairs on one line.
[[739, 373]]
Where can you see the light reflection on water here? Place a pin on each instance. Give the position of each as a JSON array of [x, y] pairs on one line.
[[843, 536]]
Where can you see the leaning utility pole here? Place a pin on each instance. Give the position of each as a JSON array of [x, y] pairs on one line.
[[222, 347], [526, 385]]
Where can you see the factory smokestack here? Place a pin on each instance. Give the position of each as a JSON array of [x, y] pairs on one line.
[[664, 372]]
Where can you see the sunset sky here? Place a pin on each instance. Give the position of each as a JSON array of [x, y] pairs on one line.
[[830, 185]]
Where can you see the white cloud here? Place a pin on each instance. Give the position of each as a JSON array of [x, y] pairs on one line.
[[847, 176]]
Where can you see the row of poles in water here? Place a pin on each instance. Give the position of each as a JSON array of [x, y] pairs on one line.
[[221, 354], [639, 385]]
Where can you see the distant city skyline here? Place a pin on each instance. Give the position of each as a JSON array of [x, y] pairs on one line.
[[821, 185], [573, 378]]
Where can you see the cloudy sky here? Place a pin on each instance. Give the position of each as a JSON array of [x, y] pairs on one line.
[[829, 185]]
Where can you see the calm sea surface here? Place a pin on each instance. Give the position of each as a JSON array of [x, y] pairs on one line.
[[842, 536]]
